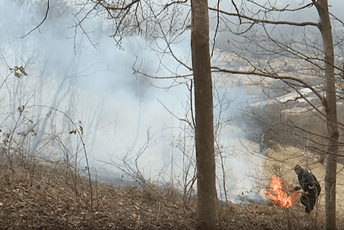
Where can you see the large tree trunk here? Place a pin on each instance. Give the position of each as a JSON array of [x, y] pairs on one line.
[[206, 190], [330, 104]]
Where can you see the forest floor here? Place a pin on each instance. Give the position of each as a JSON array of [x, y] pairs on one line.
[[42, 196]]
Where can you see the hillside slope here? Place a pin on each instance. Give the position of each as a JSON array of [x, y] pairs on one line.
[[54, 197], [282, 162]]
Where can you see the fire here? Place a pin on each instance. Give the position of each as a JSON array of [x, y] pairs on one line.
[[279, 194]]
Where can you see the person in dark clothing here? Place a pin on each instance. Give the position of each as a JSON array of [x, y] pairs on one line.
[[310, 186]]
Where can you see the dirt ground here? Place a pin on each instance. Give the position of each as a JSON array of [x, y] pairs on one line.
[[54, 197]]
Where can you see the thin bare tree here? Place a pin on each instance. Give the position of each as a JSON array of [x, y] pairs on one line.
[[257, 30], [160, 21], [206, 189]]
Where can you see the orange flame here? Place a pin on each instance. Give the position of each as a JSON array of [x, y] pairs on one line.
[[279, 195]]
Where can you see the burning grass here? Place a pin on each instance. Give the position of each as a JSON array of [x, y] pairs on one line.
[[54, 198], [282, 162], [280, 192]]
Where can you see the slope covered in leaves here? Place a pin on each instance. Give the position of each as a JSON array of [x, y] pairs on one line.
[[54, 197]]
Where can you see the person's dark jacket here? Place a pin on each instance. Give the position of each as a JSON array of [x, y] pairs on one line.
[[311, 188], [309, 182]]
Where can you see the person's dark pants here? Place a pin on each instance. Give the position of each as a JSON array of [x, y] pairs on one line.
[[308, 201]]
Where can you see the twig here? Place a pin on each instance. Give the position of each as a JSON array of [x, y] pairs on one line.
[[45, 17]]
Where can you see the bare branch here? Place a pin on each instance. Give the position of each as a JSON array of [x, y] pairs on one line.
[[174, 2], [338, 19], [111, 7], [180, 119], [184, 76], [237, 10], [45, 17], [284, 9], [216, 28], [257, 72], [306, 99], [168, 43], [257, 20], [83, 18]]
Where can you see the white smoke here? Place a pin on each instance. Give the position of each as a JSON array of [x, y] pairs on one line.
[[96, 85]]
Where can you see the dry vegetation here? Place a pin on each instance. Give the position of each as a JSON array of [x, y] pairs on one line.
[[55, 198], [293, 124], [282, 160]]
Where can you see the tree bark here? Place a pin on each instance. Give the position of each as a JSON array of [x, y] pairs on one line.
[[206, 190], [330, 105]]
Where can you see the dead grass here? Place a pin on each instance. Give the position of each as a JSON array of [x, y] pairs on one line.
[[282, 161], [51, 200]]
